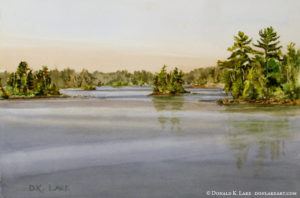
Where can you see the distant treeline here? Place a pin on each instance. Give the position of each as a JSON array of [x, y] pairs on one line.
[[203, 76], [69, 78]]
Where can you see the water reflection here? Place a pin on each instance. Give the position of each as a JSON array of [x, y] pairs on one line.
[[274, 110], [258, 141], [167, 107]]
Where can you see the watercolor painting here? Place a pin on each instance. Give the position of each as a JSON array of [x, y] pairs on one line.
[[149, 98]]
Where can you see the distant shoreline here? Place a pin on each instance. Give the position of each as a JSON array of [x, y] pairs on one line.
[[207, 86], [35, 97], [273, 101]]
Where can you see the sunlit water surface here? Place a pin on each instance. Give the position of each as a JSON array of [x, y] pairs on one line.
[[120, 142]]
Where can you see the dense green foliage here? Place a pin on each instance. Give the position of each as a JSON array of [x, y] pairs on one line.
[[168, 83], [3, 91], [261, 73], [25, 82], [3, 78]]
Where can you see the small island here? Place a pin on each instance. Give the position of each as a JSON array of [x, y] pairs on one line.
[[25, 83], [168, 83]]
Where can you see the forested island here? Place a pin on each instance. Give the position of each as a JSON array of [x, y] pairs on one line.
[[262, 74], [254, 72], [25, 82], [168, 83]]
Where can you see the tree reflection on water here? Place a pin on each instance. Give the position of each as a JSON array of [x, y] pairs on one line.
[[258, 140], [167, 106]]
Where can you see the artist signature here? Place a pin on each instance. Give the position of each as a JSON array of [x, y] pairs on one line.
[[48, 188]]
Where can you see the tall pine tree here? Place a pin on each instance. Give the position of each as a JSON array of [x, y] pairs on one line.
[[30, 80], [237, 65], [269, 44]]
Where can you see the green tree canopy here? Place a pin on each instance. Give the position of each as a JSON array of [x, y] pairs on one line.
[[269, 43], [168, 83], [237, 65], [263, 73]]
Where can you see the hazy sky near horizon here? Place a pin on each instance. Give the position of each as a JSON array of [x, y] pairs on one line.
[[108, 35]]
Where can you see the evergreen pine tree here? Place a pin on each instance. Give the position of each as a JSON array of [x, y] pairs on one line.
[[237, 65], [21, 76], [291, 69], [269, 44], [168, 82], [30, 80]]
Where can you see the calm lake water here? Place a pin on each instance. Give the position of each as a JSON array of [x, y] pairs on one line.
[[122, 143]]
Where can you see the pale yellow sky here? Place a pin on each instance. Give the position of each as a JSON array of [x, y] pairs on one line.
[[103, 57], [109, 35]]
